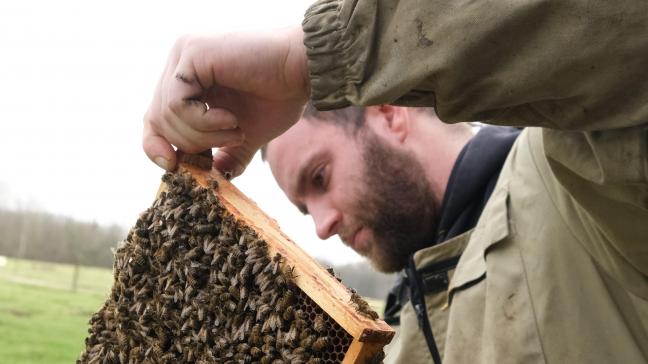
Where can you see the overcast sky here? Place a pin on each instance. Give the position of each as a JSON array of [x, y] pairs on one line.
[[76, 78]]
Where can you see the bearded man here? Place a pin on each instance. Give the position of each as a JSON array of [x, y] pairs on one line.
[[391, 182]]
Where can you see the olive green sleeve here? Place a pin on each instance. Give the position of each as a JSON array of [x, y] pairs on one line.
[[571, 64]]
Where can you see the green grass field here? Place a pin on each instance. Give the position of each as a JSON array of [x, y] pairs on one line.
[[41, 319]]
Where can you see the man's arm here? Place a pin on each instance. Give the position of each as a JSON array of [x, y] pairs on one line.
[[576, 65], [573, 64]]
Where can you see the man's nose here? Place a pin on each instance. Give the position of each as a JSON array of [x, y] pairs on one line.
[[327, 219]]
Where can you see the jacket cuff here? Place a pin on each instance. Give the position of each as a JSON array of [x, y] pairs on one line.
[[335, 61]]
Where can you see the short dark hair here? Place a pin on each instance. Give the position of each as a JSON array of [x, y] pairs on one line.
[[351, 119]]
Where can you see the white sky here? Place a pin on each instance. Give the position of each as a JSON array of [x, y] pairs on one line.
[[75, 80]]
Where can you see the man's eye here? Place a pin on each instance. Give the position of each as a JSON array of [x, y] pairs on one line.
[[318, 178]]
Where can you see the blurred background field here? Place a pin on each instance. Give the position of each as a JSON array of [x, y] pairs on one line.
[[44, 310], [43, 319]]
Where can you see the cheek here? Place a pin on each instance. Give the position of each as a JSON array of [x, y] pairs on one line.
[[355, 193]]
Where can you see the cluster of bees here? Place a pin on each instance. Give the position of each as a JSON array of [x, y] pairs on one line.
[[192, 285]]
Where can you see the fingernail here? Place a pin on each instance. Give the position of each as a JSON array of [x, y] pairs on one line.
[[162, 163], [237, 171]]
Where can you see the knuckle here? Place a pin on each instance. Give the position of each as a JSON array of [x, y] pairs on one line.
[[151, 122], [174, 106]]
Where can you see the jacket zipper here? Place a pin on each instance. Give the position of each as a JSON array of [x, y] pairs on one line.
[[418, 302]]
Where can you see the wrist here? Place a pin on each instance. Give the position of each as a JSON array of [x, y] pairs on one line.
[[297, 61]]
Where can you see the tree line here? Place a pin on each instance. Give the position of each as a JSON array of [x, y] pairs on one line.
[[47, 237]]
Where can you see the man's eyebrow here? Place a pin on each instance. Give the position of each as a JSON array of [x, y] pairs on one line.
[[302, 178], [302, 209]]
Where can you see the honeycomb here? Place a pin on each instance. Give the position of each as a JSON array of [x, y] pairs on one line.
[[194, 285], [340, 340]]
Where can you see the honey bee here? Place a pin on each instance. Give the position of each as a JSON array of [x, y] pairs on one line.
[[122, 277], [192, 253], [172, 230], [138, 258], [208, 245], [255, 352], [288, 313], [186, 311], [300, 319], [190, 354], [307, 341], [188, 293], [258, 265], [203, 228], [243, 348], [320, 343], [210, 357], [122, 338], [194, 209], [263, 281], [222, 278], [291, 335], [202, 334], [243, 292], [319, 324], [135, 353], [230, 306], [212, 216], [156, 350], [223, 297], [270, 340], [362, 307], [281, 280], [167, 358], [271, 323], [122, 356], [299, 351], [274, 264], [234, 292]]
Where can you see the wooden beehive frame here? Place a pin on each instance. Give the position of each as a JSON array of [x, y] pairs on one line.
[[369, 336]]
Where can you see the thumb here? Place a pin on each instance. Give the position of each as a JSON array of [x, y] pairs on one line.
[[158, 149], [233, 159]]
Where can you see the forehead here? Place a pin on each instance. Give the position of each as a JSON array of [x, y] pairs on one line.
[[306, 140]]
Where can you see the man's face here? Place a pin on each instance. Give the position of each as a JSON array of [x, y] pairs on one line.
[[372, 194]]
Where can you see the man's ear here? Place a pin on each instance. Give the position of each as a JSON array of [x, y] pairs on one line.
[[391, 122]]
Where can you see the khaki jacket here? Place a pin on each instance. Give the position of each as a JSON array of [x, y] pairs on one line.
[[556, 270]]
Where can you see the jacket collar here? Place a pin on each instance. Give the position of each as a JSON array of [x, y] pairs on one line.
[[472, 180]]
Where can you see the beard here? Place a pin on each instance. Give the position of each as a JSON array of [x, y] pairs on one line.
[[397, 205]]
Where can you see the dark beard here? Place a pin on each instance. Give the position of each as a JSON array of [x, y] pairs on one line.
[[398, 204]]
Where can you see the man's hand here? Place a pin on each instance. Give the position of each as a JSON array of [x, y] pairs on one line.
[[235, 92]]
